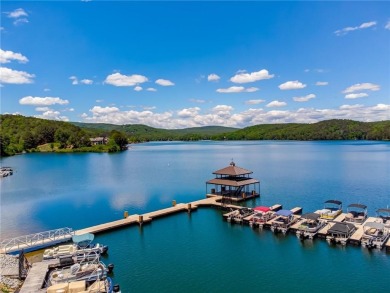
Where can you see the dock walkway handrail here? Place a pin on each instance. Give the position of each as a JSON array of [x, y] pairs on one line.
[[26, 241]]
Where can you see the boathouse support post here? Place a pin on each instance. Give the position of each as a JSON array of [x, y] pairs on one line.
[[140, 219], [189, 208]]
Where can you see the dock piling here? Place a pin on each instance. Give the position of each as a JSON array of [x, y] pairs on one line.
[[140, 219], [173, 203], [189, 207], [125, 214]]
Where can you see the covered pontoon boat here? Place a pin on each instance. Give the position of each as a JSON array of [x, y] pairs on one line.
[[375, 235], [261, 216], [356, 213], [283, 221], [332, 208], [310, 226]]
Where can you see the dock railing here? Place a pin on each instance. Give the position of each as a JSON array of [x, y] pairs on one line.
[[37, 239]]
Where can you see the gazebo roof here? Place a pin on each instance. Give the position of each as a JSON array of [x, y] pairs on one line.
[[235, 183], [232, 170]]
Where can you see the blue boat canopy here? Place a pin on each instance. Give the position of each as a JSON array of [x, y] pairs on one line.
[[284, 213], [83, 239]]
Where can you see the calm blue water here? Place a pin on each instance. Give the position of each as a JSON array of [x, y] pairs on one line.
[[201, 252]]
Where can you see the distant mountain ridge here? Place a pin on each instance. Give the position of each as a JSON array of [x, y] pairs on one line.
[[19, 133]]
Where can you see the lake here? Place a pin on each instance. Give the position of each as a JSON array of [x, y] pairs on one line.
[[200, 252]]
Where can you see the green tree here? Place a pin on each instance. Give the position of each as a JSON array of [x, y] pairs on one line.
[[120, 139]]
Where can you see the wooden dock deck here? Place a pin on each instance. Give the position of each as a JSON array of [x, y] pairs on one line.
[[36, 277], [387, 245], [145, 218]]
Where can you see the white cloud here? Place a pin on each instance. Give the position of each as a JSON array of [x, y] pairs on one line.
[[17, 13], [99, 101], [42, 101], [347, 107], [149, 108], [276, 104], [46, 90], [97, 110], [213, 77], [42, 109], [292, 85], [199, 101], [223, 115], [361, 87], [346, 30], [138, 88], [356, 96], [164, 82], [322, 83], [118, 79], [304, 98], [252, 89], [20, 21], [237, 89], [86, 81], [15, 77], [254, 102], [387, 26], [150, 89], [8, 56], [189, 112], [251, 77], [74, 80], [52, 115]]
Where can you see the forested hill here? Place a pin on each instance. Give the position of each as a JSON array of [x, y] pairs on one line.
[[324, 130], [19, 133]]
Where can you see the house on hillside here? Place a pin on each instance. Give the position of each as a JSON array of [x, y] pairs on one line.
[[98, 140]]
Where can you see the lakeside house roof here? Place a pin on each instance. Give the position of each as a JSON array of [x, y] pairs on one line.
[[232, 170], [235, 183]]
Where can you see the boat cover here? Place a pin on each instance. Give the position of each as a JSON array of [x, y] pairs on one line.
[[284, 213], [334, 201], [383, 211], [262, 209], [359, 206], [311, 216], [375, 225], [83, 239], [341, 228]]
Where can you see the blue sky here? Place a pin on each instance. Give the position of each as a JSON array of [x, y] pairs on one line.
[[186, 64]]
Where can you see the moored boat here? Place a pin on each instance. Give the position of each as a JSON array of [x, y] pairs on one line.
[[239, 215], [384, 215], [310, 226], [284, 219], [356, 213], [98, 286], [332, 208], [375, 235], [80, 247], [261, 215]]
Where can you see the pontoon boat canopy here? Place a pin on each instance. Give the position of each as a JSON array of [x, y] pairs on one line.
[[334, 201], [359, 206], [383, 211], [262, 209], [311, 216], [85, 239], [284, 213]]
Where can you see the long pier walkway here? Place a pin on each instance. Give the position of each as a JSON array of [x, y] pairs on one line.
[[145, 218]]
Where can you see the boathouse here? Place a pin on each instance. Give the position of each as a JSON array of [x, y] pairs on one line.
[[233, 183]]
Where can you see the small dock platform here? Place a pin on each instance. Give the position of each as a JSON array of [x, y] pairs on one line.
[[36, 277], [340, 218], [296, 211]]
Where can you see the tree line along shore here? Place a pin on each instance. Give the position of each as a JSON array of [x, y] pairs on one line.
[[20, 134]]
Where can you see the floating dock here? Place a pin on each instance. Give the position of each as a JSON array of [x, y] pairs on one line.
[[36, 277]]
